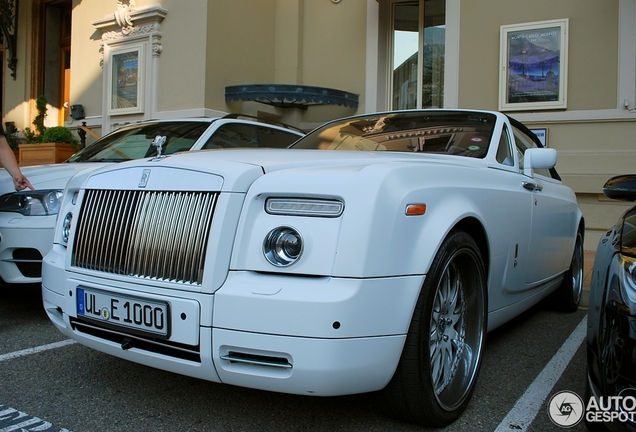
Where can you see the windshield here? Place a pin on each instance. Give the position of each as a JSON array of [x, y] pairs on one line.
[[135, 141], [447, 132]]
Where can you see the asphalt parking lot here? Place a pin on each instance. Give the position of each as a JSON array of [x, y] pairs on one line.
[[49, 383]]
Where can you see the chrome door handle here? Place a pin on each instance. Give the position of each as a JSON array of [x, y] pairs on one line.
[[533, 187]]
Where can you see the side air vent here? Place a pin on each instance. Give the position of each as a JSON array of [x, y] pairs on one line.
[[260, 360]]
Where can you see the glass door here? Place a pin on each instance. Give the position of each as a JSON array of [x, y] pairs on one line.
[[418, 49]]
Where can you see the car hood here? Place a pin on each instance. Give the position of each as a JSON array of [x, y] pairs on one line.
[[236, 170], [47, 176], [278, 159]]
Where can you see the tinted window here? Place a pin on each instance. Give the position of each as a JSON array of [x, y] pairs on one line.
[[454, 132], [504, 151], [268, 137], [237, 135], [135, 142]]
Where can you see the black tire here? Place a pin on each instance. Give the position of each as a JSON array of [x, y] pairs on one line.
[[440, 362], [568, 295]]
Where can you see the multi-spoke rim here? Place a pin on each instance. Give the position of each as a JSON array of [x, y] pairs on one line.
[[576, 271], [456, 330], [610, 353]]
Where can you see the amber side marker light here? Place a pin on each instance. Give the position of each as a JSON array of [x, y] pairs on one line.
[[415, 209]]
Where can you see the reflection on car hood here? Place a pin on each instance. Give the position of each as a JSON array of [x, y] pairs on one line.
[[239, 168], [278, 159], [46, 176]]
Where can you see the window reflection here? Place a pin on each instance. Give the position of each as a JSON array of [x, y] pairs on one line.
[[418, 77], [405, 50]]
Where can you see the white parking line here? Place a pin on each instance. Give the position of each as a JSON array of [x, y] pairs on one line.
[[527, 407], [34, 350], [12, 420]]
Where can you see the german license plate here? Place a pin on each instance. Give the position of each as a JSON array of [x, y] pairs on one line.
[[142, 315]]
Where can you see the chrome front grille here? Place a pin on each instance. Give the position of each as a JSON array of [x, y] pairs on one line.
[[148, 234]]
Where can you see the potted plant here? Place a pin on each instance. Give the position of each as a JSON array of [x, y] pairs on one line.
[[52, 145]]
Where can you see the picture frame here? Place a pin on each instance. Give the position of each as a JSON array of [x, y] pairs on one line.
[[542, 134], [125, 86], [533, 66]]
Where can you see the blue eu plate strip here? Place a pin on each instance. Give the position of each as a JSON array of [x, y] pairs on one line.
[[80, 302]]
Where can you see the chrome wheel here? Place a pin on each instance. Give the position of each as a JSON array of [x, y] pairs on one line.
[[568, 295], [456, 333], [442, 353], [576, 270]]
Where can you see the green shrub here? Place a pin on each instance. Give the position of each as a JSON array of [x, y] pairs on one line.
[[30, 136], [59, 134], [38, 121], [42, 134]]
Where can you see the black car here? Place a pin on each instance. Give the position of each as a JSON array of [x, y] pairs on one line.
[[611, 332]]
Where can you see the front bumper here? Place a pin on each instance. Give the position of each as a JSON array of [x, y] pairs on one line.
[[24, 240], [595, 417], [300, 335]]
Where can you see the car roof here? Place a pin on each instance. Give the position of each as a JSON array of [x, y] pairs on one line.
[[238, 118]]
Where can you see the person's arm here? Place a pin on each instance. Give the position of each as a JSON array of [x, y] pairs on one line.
[[7, 158]]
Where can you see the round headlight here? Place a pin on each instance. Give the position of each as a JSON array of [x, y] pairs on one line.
[[66, 227], [52, 201], [283, 246]]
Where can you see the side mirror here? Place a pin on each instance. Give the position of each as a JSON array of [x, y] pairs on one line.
[[622, 187], [538, 158]]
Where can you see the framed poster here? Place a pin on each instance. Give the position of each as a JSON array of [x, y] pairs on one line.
[[124, 80], [533, 66]]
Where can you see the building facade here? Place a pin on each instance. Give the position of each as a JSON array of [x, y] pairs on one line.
[[567, 68]]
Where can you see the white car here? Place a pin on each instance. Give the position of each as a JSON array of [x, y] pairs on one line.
[[27, 218], [373, 255]]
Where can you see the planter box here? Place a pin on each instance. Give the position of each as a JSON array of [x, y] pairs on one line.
[[45, 153]]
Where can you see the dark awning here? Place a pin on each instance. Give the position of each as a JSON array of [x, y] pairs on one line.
[[290, 95]]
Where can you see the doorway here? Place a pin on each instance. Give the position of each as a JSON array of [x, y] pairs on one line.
[[51, 65]]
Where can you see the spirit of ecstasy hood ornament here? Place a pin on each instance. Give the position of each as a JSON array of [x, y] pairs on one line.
[[158, 142]]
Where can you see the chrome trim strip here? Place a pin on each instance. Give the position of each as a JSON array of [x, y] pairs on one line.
[[260, 361]]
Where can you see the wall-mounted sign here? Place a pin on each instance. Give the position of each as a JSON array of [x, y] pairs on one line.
[[542, 134], [533, 66], [124, 81]]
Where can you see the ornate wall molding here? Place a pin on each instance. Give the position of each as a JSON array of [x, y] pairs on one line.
[[123, 15], [130, 42], [128, 23]]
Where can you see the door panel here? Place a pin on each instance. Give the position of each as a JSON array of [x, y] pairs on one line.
[[551, 238]]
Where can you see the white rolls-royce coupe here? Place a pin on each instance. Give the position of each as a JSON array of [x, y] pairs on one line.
[[373, 255]]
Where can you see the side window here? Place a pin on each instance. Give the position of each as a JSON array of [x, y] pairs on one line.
[[233, 135], [523, 142], [268, 137], [504, 151]]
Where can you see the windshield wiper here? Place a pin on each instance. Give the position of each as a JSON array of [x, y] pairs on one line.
[[103, 160]]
